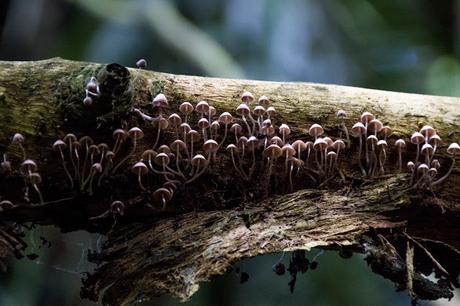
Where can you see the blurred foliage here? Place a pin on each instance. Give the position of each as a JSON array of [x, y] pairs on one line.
[[403, 45]]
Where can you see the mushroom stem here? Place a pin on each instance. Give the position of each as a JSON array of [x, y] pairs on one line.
[[71, 159], [290, 177], [39, 193], [225, 136], [23, 151], [359, 156], [399, 159], [157, 138], [65, 168], [133, 150], [139, 180], [200, 172], [418, 153], [347, 135], [84, 164], [247, 126], [442, 179]]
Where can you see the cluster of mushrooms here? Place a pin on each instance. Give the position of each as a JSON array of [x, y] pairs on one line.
[[185, 144]]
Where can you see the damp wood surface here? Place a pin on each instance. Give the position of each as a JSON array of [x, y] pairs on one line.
[[175, 251]]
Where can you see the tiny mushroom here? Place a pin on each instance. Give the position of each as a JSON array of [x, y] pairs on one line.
[[140, 169]]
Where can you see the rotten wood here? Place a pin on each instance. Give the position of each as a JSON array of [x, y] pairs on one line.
[[152, 251]]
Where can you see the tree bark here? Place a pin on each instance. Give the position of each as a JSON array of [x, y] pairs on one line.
[[220, 218]]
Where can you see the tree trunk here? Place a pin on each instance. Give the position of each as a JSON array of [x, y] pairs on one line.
[[221, 216]]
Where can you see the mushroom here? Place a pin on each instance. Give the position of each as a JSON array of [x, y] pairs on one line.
[[226, 118], [382, 145], [192, 136], [435, 141], [366, 117], [299, 146], [162, 194], [316, 130], [243, 111], [59, 145], [141, 64], [179, 146], [359, 130], [417, 138], [203, 124], [236, 129], [320, 145], [252, 145], [186, 108], [140, 169], [19, 139], [341, 115], [233, 149], [264, 101], [161, 124], [95, 168], [270, 111], [200, 164], [184, 129], [69, 139], [247, 97], [288, 152], [29, 166], [372, 140], [454, 150], [427, 150], [120, 136], [202, 108], [160, 101], [35, 179], [400, 144], [175, 120], [5, 164], [272, 152], [284, 131], [135, 133]]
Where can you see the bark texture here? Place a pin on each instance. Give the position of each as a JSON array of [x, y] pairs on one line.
[[152, 251]]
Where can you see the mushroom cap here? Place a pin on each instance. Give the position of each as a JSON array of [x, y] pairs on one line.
[[198, 159], [34, 178], [338, 144], [272, 151], [288, 151], [320, 144], [284, 129], [242, 109], [247, 97], [259, 110], [252, 142], [178, 145], [427, 149], [316, 130], [232, 147], [164, 149], [276, 140], [87, 101], [186, 108], [161, 159], [341, 114], [435, 140], [141, 63], [160, 100], [70, 138], [242, 141], [432, 172], [400, 143], [427, 131], [225, 118], [136, 133], [309, 144], [202, 107], [329, 141], [264, 101], [120, 134], [385, 131], [97, 167], [162, 193], [358, 129], [411, 166], [435, 164], [331, 154], [92, 85], [422, 167], [371, 139], [382, 144], [18, 138], [140, 168], [29, 165], [215, 125], [366, 117], [375, 124], [203, 123], [175, 119], [210, 146], [110, 155], [193, 135], [212, 111], [270, 110], [185, 127], [59, 145], [103, 147], [299, 145], [148, 155], [117, 207], [5, 205], [236, 128], [266, 122], [162, 123], [86, 140], [93, 149], [453, 149], [417, 138]]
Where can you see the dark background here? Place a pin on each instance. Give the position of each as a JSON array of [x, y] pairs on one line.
[[402, 45]]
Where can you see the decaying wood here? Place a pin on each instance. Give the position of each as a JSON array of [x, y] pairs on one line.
[[151, 251]]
